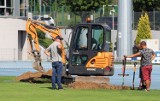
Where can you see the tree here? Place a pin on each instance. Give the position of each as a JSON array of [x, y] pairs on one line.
[[144, 30], [85, 5], [146, 5], [81, 6]]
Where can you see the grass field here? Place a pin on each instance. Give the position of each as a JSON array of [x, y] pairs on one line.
[[10, 90]]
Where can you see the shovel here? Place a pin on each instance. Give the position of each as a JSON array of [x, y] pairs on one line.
[[123, 71], [135, 63]]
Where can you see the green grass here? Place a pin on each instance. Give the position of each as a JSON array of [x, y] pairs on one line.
[[10, 90]]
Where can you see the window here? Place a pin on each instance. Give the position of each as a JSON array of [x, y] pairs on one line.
[[81, 40], [97, 37], [108, 36], [108, 40], [2, 3], [79, 60], [2, 11], [23, 7], [6, 7], [9, 3]]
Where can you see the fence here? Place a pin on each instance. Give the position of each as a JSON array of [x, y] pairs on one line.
[[8, 54], [154, 18], [71, 19], [14, 54]]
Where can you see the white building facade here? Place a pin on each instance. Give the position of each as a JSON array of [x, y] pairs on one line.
[[13, 40]]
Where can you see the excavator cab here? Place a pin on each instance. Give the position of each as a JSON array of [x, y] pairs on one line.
[[89, 51]]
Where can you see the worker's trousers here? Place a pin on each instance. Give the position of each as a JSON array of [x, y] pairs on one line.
[[57, 68]]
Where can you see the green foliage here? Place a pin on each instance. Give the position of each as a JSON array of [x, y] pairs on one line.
[[101, 42], [146, 5], [40, 34], [85, 5], [71, 5], [72, 22], [111, 47], [45, 42], [78, 7], [101, 39], [33, 6], [144, 30]]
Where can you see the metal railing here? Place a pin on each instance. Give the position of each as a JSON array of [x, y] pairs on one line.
[[71, 19]]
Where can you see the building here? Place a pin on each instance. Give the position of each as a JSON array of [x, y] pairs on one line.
[[13, 40], [14, 8]]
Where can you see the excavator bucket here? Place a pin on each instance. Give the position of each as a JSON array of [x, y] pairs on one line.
[[37, 66]]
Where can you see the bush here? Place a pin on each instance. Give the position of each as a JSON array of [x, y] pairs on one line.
[[144, 30]]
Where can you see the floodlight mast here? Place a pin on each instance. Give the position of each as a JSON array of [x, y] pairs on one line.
[[124, 42]]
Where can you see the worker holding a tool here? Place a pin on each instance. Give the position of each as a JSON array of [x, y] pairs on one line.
[[147, 55]]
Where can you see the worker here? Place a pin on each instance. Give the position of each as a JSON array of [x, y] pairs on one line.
[[147, 55], [57, 66], [83, 39]]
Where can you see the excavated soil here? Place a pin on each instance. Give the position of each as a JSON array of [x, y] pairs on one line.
[[35, 77], [79, 83], [93, 85]]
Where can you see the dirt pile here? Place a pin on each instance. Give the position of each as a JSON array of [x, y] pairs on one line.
[[93, 85], [35, 77], [94, 79], [94, 82]]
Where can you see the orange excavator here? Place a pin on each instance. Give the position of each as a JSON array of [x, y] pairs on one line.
[[89, 51]]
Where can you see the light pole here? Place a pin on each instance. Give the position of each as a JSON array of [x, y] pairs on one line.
[[34, 7], [55, 11], [26, 8], [40, 5], [103, 9], [112, 13], [124, 42]]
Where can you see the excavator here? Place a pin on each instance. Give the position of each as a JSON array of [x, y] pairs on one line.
[[89, 53]]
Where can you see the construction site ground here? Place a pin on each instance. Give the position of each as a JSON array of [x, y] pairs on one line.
[[79, 82]]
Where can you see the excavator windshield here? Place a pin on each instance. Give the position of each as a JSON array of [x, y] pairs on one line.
[[93, 41]]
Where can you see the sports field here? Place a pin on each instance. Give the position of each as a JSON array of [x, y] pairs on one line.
[[10, 90]]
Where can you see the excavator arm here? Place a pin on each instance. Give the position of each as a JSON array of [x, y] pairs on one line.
[[31, 28]]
